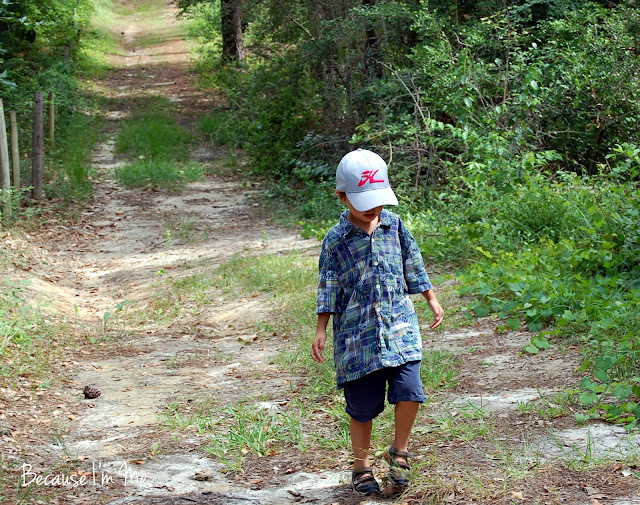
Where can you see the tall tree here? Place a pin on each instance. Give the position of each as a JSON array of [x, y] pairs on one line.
[[232, 13]]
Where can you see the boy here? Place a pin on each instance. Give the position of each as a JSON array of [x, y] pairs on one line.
[[368, 266]]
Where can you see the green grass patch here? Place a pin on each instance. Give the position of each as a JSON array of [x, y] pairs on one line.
[[558, 405], [439, 369], [28, 339], [260, 432], [161, 36], [167, 175], [173, 296], [68, 171], [202, 416], [155, 136], [99, 40], [145, 8], [218, 126]]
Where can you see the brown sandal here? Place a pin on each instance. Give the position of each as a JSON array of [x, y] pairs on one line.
[[364, 483], [399, 471]]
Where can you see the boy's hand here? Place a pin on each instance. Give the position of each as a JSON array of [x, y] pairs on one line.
[[317, 348], [436, 308], [438, 313]]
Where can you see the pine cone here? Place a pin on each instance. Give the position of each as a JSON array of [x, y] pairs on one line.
[[90, 393]]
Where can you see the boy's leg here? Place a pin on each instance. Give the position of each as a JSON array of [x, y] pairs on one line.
[[365, 400], [405, 416], [360, 442], [406, 392]]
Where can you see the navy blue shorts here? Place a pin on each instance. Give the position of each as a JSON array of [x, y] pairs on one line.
[[365, 396]]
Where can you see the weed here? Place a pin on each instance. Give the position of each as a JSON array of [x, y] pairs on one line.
[[217, 125], [114, 323], [188, 230], [465, 423], [200, 416], [438, 369], [559, 405], [251, 431], [28, 341]]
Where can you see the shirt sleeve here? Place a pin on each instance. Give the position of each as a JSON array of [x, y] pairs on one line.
[[415, 274], [329, 285]]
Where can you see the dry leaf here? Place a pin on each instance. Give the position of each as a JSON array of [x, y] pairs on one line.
[[517, 495]]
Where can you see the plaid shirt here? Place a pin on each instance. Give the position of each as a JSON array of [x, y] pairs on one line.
[[365, 281]]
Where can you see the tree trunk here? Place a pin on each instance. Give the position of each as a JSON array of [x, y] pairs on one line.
[[36, 171], [231, 27], [372, 52]]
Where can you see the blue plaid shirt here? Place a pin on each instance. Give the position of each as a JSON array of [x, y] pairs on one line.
[[365, 281]]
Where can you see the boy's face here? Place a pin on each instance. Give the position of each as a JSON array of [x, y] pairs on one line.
[[367, 216]]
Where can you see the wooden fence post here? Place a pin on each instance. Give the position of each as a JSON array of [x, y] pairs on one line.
[[15, 150], [5, 177], [36, 171], [52, 121]]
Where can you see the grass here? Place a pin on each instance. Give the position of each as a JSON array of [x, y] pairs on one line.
[[559, 405], [28, 341], [202, 416], [173, 296], [154, 135], [260, 432], [459, 423], [188, 230], [68, 169], [166, 175], [438, 369], [217, 126], [159, 146], [99, 40]]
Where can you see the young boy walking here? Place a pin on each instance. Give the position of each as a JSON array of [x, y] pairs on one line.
[[369, 265]]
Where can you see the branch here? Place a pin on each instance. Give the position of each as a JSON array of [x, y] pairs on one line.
[[299, 25]]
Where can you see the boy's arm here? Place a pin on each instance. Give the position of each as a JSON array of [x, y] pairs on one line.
[[436, 308], [317, 348]]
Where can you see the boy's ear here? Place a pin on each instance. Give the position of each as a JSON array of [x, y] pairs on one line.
[[342, 195]]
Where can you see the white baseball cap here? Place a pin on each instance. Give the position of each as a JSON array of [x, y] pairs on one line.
[[363, 176]]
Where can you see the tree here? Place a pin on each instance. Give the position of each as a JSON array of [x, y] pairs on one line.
[[231, 14]]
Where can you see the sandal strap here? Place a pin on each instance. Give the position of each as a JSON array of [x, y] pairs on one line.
[[363, 482], [395, 453], [362, 475]]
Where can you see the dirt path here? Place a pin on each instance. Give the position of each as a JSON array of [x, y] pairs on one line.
[[118, 257]]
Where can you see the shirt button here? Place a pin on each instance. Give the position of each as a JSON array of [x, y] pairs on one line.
[[375, 263]]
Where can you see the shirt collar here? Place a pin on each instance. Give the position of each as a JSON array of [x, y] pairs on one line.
[[346, 226]]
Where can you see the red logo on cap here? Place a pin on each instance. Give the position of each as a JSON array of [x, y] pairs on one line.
[[368, 176]]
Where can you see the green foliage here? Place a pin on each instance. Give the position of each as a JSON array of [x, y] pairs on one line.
[[222, 127], [25, 334], [489, 91], [560, 255]]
